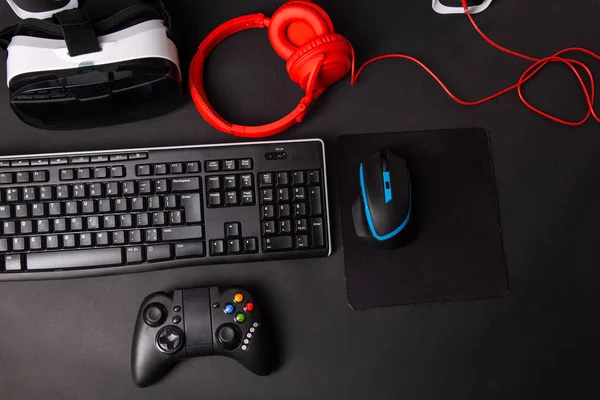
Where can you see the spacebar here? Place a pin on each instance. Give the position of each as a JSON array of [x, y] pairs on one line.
[[74, 259]]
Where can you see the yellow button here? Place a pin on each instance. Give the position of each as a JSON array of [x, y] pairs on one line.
[[238, 297]]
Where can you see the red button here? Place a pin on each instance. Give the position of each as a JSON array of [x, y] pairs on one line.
[[249, 307]]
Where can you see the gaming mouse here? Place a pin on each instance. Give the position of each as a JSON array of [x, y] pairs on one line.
[[383, 212]]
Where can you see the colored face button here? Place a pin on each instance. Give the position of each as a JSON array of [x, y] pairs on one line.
[[240, 318], [238, 297], [249, 307], [228, 309]]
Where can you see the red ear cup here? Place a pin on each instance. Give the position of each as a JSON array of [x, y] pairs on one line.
[[337, 53], [296, 23]]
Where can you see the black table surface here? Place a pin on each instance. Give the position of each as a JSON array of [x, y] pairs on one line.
[[71, 339]]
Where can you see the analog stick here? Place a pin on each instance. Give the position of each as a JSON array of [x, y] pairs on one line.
[[228, 336]]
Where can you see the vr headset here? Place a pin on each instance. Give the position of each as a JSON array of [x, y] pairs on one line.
[[82, 69]]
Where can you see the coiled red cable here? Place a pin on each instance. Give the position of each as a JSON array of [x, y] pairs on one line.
[[537, 65]]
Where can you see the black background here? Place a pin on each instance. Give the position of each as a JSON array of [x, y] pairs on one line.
[[71, 339]]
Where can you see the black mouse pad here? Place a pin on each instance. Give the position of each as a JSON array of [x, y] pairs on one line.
[[457, 252]]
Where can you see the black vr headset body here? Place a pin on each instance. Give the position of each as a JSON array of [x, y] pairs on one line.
[[82, 65]]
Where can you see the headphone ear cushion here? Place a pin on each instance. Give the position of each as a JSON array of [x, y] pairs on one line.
[[338, 61], [296, 23]]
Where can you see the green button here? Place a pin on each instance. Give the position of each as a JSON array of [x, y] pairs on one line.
[[239, 317]]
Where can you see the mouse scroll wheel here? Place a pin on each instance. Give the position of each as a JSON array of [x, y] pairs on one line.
[[385, 165]]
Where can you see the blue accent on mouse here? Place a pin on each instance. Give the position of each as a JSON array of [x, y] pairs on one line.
[[368, 212], [387, 186]]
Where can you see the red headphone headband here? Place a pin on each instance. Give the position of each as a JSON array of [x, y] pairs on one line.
[[196, 81]]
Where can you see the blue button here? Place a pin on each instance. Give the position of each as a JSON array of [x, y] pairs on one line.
[[229, 309]]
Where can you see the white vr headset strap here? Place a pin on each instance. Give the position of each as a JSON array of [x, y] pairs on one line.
[[24, 14], [440, 8]]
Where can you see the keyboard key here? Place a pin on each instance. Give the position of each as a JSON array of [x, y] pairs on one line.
[[229, 165], [266, 196], [192, 167], [42, 226], [213, 183], [282, 179], [175, 217], [160, 169], [266, 179], [234, 246], [214, 199], [267, 212], [158, 218], [9, 228], [302, 242], [80, 160], [145, 187], [93, 223], [100, 172], [38, 210], [189, 249], [109, 222], [151, 235], [83, 173], [4, 163], [5, 212], [137, 204], [283, 195], [3, 245], [99, 159], [246, 163], [96, 190], [135, 236], [268, 228], [246, 181], [121, 205], [285, 227], [40, 162], [88, 207], [233, 229], [301, 226], [60, 225], [79, 191], [128, 188], [112, 189], [102, 239], [52, 242], [40, 176], [176, 168], [74, 259], [118, 157], [314, 177], [63, 192], [85, 239], [247, 198], [169, 201], [58, 161], [46, 193], [29, 194], [71, 208], [12, 262], [217, 247], [21, 211], [284, 211], [76, 224], [176, 234], [23, 177], [26, 227], [316, 202], [317, 232], [18, 244], [161, 186], [299, 194], [19, 163], [279, 243], [185, 184], [125, 221], [159, 252], [104, 206], [231, 199], [118, 238], [230, 182], [142, 220], [138, 156], [6, 178], [117, 172], [153, 203], [192, 207], [67, 174], [299, 209], [212, 166], [250, 245], [54, 209], [134, 255], [143, 170], [12, 195], [298, 178]]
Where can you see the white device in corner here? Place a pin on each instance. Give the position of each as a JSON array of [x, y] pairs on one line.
[[440, 8], [40, 9]]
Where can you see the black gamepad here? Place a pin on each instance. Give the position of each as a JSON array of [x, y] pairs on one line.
[[198, 322]]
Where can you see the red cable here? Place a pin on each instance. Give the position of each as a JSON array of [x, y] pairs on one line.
[[530, 72]]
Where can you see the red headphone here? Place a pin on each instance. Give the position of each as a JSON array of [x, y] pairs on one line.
[[302, 34]]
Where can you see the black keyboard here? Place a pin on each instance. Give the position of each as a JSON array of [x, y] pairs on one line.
[[109, 212]]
